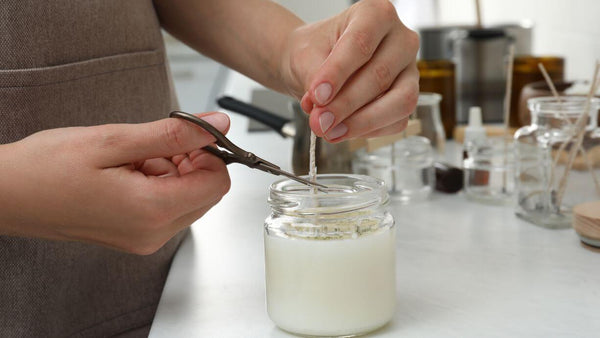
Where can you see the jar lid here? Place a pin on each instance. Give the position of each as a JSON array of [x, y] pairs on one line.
[[345, 193]]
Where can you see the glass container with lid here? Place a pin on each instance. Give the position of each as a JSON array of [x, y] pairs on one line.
[[330, 256], [542, 153]]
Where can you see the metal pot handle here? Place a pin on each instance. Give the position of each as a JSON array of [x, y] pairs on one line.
[[263, 116]]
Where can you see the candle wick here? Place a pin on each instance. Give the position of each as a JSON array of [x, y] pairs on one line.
[[312, 172]]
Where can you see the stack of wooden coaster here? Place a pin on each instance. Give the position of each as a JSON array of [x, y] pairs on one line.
[[374, 143], [586, 222]]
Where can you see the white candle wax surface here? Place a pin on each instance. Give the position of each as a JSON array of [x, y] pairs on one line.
[[331, 287]]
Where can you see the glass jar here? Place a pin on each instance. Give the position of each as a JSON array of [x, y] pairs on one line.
[[330, 257], [542, 151], [428, 113], [489, 170], [541, 89], [406, 167]]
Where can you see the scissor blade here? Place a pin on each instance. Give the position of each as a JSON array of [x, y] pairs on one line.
[[299, 179], [235, 154]]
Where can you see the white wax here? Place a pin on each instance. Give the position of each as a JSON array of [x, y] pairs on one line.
[[331, 287]]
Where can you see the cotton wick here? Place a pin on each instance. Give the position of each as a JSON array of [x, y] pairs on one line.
[[312, 171]]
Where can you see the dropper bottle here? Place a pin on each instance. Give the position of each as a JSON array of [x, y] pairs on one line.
[[450, 179], [475, 133]]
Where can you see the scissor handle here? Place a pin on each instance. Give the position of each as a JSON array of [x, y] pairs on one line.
[[222, 140], [227, 157], [234, 154], [237, 154]]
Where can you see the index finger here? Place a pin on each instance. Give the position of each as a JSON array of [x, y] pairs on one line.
[[126, 143], [354, 48]]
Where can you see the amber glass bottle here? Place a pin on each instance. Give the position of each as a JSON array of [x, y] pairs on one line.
[[437, 76], [526, 71]]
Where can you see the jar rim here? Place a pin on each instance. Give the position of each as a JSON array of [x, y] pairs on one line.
[[414, 145], [570, 105], [345, 193]]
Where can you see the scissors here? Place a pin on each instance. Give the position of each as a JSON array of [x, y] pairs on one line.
[[235, 154]]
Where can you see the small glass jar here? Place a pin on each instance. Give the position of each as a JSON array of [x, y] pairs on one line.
[[542, 152], [428, 113], [489, 170], [405, 166], [330, 256]]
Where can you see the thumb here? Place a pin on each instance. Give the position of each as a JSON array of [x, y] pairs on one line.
[[126, 143]]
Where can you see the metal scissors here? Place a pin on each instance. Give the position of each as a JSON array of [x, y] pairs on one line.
[[235, 154]]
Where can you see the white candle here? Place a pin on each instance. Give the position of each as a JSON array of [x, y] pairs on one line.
[[331, 287]]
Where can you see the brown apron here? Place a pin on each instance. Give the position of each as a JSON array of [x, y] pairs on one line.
[[76, 63]]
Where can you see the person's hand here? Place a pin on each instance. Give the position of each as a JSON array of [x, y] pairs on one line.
[[126, 186], [356, 72]]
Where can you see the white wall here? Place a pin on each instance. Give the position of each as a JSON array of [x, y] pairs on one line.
[[416, 13], [567, 28], [315, 10]]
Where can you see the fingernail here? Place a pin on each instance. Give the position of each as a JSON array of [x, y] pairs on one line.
[[218, 120], [326, 120], [339, 131], [323, 92]]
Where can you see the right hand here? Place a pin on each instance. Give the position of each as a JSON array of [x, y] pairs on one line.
[[356, 72], [127, 186]]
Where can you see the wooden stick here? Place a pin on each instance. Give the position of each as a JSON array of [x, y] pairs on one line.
[[478, 13], [549, 81], [507, 93], [564, 144], [579, 131]]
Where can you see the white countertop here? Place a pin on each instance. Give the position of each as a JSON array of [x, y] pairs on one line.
[[463, 269]]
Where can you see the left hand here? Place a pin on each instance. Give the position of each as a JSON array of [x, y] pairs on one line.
[[131, 187], [356, 72]]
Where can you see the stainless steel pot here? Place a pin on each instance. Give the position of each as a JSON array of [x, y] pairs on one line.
[[331, 158], [480, 58]]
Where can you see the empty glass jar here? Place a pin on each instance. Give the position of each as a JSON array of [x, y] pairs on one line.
[[546, 193], [405, 166], [330, 256], [489, 170], [428, 113]]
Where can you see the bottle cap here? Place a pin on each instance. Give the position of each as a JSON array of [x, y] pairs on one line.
[[475, 117], [474, 131]]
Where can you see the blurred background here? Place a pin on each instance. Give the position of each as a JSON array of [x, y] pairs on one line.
[[567, 29]]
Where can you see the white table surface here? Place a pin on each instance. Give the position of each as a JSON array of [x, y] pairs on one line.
[[463, 269]]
